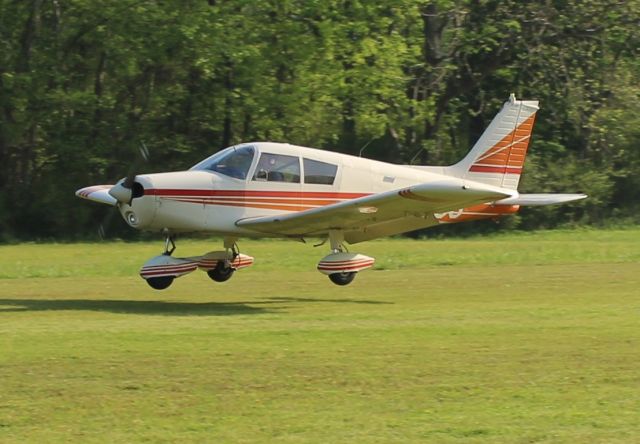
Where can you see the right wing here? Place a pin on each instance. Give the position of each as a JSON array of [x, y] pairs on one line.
[[356, 216]]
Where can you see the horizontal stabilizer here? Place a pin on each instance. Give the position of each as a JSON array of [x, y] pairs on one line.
[[540, 199], [98, 193]]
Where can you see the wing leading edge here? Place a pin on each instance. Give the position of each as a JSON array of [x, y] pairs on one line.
[[416, 204]]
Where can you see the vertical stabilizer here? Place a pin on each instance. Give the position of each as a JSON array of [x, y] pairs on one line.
[[498, 156]]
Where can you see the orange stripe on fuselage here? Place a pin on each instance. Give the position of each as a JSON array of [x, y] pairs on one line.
[[249, 193], [292, 207], [271, 200], [291, 201]]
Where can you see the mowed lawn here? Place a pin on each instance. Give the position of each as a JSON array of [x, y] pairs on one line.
[[515, 338]]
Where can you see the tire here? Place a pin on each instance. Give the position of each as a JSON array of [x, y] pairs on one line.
[[342, 278], [160, 283], [221, 273]]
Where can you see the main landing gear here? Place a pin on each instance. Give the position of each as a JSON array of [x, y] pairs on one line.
[[223, 269], [221, 273], [342, 278], [342, 266], [160, 271]]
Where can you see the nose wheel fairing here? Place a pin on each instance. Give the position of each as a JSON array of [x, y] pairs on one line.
[[163, 265]]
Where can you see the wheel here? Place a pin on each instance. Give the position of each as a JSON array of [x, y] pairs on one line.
[[160, 283], [342, 278], [221, 273]]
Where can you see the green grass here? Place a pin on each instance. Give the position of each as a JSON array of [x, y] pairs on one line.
[[515, 338]]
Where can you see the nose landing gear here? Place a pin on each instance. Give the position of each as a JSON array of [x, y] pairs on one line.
[[160, 271]]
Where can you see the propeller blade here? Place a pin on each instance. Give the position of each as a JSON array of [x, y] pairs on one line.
[[122, 191], [143, 156]]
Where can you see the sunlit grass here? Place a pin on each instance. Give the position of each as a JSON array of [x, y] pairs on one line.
[[515, 338], [124, 259]]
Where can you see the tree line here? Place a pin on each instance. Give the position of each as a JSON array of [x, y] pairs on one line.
[[82, 82]]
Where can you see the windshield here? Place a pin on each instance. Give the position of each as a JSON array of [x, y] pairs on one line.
[[234, 162]]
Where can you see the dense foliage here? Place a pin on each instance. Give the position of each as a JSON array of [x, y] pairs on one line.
[[82, 82]]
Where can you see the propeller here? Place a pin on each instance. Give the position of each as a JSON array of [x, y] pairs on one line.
[[123, 191]]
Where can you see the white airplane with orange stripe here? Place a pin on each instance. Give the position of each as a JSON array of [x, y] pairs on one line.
[[281, 190]]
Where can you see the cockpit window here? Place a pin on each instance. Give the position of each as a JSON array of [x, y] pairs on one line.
[[232, 162], [278, 168]]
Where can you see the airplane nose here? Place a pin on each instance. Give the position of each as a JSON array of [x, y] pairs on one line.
[[140, 210], [121, 193]]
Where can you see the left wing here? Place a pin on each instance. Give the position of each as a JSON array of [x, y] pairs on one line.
[[388, 208]]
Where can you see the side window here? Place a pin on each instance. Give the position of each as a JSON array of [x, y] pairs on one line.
[[319, 172], [278, 168]]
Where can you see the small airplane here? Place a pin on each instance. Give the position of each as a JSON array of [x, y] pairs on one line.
[[280, 190]]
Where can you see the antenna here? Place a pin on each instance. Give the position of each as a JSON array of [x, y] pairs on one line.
[[365, 145]]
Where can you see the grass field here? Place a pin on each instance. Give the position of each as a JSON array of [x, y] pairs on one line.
[[516, 338]]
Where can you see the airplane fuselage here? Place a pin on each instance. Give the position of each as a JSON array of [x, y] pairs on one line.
[[204, 200]]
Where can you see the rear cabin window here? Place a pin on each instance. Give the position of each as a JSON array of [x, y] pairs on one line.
[[278, 168], [319, 172]]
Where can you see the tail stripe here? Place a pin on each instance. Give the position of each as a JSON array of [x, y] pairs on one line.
[[497, 158], [509, 152]]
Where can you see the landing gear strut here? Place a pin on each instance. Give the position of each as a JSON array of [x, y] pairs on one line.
[[169, 240]]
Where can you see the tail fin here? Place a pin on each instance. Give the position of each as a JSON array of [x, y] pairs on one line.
[[498, 156]]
